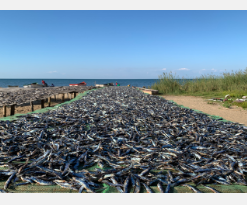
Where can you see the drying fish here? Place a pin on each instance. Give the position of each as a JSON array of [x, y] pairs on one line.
[[192, 188], [211, 188], [132, 137]]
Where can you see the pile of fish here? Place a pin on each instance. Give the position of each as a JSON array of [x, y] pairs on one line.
[[137, 141], [25, 95]]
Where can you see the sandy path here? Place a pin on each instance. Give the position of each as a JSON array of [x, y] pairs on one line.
[[234, 114]]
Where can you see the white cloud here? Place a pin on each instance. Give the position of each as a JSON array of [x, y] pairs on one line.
[[204, 69], [163, 68], [183, 69], [52, 72], [214, 70]]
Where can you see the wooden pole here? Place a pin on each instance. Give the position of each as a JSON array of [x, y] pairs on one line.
[[12, 109], [4, 111], [55, 98], [74, 94], [31, 106], [62, 97], [42, 103], [70, 96], [49, 101]]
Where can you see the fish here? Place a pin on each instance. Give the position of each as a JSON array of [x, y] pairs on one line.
[[65, 184], [133, 138], [84, 183], [7, 183], [148, 189], [137, 186], [159, 185], [168, 187], [42, 182], [212, 189], [114, 181], [126, 184]]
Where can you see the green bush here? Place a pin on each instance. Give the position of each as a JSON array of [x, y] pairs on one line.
[[234, 83]]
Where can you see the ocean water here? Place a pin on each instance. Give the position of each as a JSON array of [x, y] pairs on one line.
[[90, 82]]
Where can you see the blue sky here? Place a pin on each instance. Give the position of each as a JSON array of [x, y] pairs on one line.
[[121, 44]]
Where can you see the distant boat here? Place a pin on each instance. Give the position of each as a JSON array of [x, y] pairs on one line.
[[33, 85], [104, 85], [79, 84], [13, 86]]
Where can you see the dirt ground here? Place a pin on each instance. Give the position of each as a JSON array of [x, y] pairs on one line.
[[25, 108], [234, 114]]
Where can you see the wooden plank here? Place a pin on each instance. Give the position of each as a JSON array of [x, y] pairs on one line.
[[4, 111], [49, 101], [12, 109], [42, 102], [31, 106], [62, 97], [150, 91], [73, 96]]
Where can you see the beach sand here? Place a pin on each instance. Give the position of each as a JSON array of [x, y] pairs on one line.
[[234, 114]]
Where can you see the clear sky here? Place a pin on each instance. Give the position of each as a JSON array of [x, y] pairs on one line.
[[121, 44]]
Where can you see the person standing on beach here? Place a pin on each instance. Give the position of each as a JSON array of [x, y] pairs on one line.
[[44, 83]]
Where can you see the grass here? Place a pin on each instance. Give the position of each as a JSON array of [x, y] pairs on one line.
[[208, 86], [227, 104]]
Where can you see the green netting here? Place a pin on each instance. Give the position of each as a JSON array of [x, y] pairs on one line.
[[35, 188]]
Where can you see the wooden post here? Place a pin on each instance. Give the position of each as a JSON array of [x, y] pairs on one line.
[[74, 94], [31, 106], [12, 109], [62, 97], [70, 96], [55, 98], [4, 111], [42, 103], [49, 101]]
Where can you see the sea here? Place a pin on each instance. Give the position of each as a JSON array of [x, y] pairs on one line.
[[90, 82]]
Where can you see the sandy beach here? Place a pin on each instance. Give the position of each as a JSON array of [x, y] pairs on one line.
[[234, 114]]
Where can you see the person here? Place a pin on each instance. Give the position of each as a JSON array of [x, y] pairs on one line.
[[129, 85], [43, 82], [117, 84], [52, 85]]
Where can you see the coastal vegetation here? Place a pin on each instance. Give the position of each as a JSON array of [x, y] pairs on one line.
[[232, 83]]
